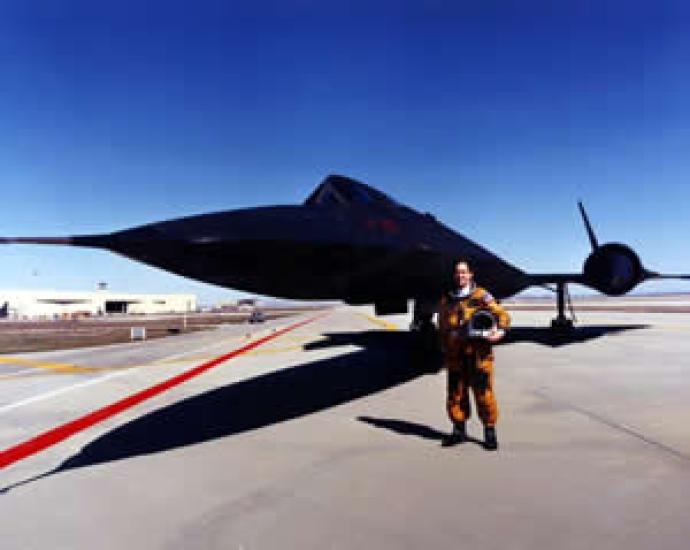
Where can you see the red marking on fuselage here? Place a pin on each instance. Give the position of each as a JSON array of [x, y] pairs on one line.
[[60, 433], [384, 225], [390, 226]]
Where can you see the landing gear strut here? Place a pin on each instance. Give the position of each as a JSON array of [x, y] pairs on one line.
[[426, 353], [562, 323], [424, 310]]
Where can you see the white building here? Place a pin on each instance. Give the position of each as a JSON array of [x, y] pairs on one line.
[[34, 304]]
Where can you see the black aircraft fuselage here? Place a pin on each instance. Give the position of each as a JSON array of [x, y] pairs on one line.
[[358, 254], [347, 242]]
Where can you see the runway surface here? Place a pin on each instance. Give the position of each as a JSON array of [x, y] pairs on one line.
[[327, 435]]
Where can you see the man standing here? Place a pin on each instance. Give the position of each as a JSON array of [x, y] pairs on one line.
[[469, 360]]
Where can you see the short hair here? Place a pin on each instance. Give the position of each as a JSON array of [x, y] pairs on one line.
[[463, 261]]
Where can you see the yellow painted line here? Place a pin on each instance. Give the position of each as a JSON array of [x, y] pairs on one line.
[[63, 368], [66, 368], [380, 322]]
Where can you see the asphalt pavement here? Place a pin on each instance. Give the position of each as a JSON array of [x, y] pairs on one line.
[[327, 434]]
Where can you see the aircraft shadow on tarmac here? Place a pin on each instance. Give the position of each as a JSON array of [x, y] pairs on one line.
[[384, 359], [381, 362], [545, 336]]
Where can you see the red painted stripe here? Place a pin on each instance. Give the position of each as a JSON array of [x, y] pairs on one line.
[[60, 433]]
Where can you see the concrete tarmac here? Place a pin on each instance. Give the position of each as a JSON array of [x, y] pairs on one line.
[[329, 437]]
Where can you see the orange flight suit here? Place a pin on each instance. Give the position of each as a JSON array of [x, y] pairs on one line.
[[469, 361]]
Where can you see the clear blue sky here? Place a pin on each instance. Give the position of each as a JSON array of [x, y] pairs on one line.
[[497, 116]]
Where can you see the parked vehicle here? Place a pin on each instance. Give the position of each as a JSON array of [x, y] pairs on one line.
[[256, 317]]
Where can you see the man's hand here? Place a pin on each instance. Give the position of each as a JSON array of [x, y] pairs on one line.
[[496, 335]]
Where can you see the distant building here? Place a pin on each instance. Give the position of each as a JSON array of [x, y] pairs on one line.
[[246, 304], [50, 304]]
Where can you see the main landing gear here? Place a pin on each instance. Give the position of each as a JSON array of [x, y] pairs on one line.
[[561, 323]]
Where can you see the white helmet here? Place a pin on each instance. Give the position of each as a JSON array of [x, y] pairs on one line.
[[481, 324]]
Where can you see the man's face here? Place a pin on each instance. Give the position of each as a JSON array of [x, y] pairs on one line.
[[462, 275]]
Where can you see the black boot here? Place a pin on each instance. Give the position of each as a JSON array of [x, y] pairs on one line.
[[456, 436], [490, 441]]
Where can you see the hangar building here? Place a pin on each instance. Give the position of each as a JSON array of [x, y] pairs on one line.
[[53, 304]]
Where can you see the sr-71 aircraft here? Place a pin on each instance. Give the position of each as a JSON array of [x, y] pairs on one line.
[[349, 242]]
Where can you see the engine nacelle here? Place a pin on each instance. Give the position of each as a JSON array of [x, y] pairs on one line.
[[613, 269]]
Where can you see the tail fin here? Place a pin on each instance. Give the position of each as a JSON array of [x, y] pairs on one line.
[[588, 226]]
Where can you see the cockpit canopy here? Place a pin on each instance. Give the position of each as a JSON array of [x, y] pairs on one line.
[[343, 191]]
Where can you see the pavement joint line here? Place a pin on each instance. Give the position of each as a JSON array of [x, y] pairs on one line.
[[58, 434], [178, 360], [294, 345], [185, 354], [24, 373], [615, 425]]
